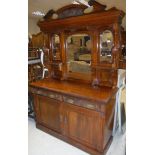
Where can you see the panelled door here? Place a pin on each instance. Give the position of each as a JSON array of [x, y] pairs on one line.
[[84, 126], [49, 112]]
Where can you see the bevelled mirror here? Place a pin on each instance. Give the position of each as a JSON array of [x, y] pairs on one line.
[[79, 53], [56, 47], [106, 44]]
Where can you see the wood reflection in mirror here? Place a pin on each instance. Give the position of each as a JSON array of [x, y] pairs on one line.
[[79, 53], [106, 44]]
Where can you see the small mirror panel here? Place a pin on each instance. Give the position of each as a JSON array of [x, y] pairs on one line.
[[56, 47], [79, 53], [106, 45]]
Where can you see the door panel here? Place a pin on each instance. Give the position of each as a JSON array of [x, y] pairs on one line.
[[49, 112], [85, 126]]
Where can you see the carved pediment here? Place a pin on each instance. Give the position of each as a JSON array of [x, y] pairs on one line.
[[73, 10], [70, 11]]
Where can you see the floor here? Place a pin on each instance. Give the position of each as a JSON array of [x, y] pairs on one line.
[[40, 143]]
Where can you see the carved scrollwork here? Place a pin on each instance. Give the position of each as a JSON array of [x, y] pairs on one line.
[[73, 10]]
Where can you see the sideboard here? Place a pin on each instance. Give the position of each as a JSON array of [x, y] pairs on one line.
[[76, 113], [76, 103]]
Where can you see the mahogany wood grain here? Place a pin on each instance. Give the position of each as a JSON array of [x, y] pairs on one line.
[[85, 128], [70, 107], [49, 114], [75, 112], [96, 19], [92, 24], [76, 89]]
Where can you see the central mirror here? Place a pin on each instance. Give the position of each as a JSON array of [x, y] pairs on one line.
[[79, 53]]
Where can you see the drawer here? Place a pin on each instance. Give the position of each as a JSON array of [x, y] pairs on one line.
[[49, 94], [81, 102]]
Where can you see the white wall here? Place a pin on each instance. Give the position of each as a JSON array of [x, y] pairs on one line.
[[32, 26]]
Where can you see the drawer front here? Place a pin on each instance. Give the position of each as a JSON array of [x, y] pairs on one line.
[[49, 94], [68, 99], [81, 102]]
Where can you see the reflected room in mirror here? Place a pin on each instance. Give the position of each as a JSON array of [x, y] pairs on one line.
[[79, 53], [56, 47], [106, 44]]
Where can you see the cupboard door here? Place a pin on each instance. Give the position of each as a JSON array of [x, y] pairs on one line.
[[49, 113], [84, 126]]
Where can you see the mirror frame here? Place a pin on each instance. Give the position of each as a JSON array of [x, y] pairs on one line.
[[77, 75], [53, 47], [99, 50], [106, 64]]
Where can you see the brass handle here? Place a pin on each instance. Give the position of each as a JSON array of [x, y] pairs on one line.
[[70, 101], [90, 106], [52, 96]]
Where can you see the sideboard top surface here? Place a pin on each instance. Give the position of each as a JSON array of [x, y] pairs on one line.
[[76, 89]]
